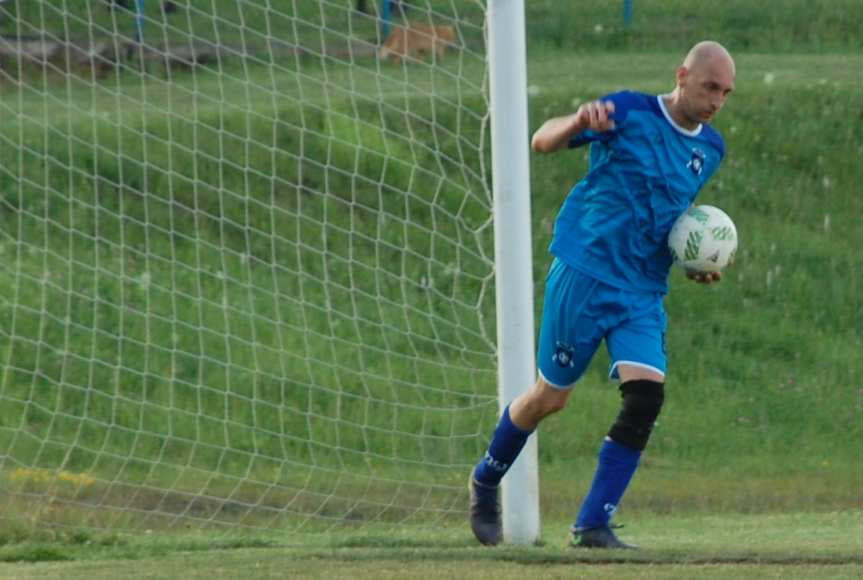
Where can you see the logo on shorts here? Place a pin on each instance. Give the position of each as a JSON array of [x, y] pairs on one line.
[[563, 355]]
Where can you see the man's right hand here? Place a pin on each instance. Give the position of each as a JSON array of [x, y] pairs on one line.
[[555, 133], [595, 115]]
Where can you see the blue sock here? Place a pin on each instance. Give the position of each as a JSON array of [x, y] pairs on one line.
[[505, 446], [617, 464]]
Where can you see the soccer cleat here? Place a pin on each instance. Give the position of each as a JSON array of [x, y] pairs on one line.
[[485, 520], [601, 537]]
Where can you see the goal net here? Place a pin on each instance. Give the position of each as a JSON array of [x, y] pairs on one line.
[[246, 263]]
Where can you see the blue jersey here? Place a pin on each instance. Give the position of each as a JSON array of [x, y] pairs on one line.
[[643, 175]]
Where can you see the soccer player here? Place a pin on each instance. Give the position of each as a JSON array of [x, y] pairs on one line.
[[649, 157]]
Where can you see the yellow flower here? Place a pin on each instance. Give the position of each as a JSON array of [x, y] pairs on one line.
[[36, 475]]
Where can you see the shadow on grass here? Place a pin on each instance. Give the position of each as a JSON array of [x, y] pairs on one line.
[[542, 555]]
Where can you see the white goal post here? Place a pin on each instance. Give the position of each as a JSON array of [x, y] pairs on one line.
[[514, 261], [265, 266]]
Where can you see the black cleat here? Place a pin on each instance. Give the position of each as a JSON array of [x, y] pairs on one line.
[[601, 537], [485, 518]]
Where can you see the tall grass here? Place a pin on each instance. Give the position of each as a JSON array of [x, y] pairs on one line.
[[790, 26]]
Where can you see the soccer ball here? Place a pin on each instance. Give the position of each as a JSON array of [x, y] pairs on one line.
[[703, 239]]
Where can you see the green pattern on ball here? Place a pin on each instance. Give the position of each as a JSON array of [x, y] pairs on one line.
[[722, 233], [698, 215], [693, 243]]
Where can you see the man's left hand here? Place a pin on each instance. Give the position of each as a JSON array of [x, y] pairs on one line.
[[704, 277]]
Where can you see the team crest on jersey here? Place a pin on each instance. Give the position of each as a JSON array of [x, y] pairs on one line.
[[696, 162], [563, 355]]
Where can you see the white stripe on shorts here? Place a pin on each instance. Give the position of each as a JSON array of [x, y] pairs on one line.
[[633, 364]]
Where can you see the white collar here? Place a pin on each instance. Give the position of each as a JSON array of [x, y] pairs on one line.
[[690, 132]]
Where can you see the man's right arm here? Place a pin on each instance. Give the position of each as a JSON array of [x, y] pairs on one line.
[[555, 133]]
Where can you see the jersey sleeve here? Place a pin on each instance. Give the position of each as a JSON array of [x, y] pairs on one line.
[[718, 143], [714, 138], [623, 101]]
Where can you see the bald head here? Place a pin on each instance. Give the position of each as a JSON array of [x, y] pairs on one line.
[[704, 81], [708, 53]]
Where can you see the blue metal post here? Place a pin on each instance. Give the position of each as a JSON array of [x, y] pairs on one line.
[[627, 13], [139, 21], [385, 19]]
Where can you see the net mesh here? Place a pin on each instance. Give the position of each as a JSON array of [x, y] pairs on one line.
[[247, 272]]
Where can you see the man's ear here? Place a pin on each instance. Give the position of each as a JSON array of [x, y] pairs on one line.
[[682, 74]]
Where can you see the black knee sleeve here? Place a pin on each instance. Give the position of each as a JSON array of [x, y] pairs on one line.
[[642, 401]]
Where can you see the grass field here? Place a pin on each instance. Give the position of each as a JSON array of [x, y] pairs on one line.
[[144, 266], [729, 546]]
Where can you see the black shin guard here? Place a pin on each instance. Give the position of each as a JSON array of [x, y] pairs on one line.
[[642, 401]]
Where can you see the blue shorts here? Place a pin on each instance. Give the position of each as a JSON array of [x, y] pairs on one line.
[[579, 311]]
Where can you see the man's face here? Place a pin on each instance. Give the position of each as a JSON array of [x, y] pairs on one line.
[[704, 88]]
